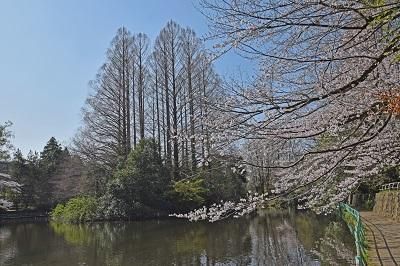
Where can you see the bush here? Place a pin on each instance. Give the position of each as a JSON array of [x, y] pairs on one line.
[[142, 179], [224, 180], [189, 193], [79, 209], [112, 207]]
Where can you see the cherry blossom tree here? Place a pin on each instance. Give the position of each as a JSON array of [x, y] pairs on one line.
[[7, 185], [328, 83]]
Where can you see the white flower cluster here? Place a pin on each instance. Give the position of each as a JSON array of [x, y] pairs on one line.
[[5, 204], [226, 209]]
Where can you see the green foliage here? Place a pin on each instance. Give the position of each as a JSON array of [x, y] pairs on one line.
[[189, 193], [143, 179], [27, 173], [349, 219], [142, 186], [76, 210], [51, 156], [397, 58], [50, 160], [112, 205], [224, 180], [325, 140], [5, 144], [139, 185], [374, 3], [45, 177], [369, 204], [371, 187], [58, 211]]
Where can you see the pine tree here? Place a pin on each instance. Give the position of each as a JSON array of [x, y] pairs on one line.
[[51, 155], [50, 158]]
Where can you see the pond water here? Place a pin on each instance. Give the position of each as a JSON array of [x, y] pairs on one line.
[[270, 238]]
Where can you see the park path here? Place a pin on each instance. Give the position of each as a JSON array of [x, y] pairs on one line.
[[383, 238]]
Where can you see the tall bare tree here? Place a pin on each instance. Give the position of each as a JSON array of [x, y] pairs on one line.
[[190, 49], [105, 135], [141, 49], [160, 92]]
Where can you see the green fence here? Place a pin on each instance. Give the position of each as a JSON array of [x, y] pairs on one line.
[[356, 227]]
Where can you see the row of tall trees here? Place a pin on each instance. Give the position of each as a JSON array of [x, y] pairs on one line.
[[159, 91]]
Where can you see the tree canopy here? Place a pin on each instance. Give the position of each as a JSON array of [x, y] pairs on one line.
[[321, 115]]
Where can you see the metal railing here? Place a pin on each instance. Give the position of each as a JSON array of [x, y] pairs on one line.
[[390, 186], [353, 220]]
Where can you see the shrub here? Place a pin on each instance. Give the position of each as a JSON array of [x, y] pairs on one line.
[[58, 212], [224, 180], [142, 179], [189, 193], [79, 209]]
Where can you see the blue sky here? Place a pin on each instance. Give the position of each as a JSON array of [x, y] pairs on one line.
[[50, 50]]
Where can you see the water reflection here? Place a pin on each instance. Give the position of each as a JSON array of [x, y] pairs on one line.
[[271, 238]]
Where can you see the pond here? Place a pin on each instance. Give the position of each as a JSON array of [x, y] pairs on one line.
[[270, 238]]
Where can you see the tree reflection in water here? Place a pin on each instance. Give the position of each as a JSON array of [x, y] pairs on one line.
[[270, 238]]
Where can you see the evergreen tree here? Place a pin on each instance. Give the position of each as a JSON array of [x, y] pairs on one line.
[[50, 158], [143, 179], [51, 155]]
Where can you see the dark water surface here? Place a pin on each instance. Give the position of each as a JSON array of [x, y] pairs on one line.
[[271, 238]]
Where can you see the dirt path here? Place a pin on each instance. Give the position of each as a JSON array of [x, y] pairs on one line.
[[383, 236]]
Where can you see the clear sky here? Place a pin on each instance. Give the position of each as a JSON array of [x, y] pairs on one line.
[[50, 50]]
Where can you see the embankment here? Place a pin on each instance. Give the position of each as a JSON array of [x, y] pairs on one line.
[[13, 216], [387, 203]]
